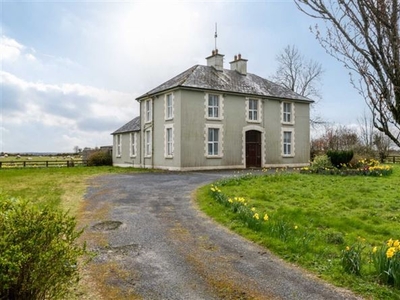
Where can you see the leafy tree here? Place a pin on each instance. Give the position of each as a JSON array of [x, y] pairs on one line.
[[364, 35], [300, 75]]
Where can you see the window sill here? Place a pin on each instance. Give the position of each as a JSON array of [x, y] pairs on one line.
[[213, 156], [214, 119], [287, 123]]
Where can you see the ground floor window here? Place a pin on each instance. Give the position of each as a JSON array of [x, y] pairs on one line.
[[133, 144], [287, 142], [119, 141], [169, 141], [147, 143], [213, 137]]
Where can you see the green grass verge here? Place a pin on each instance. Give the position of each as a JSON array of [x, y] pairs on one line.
[[57, 187], [313, 218]]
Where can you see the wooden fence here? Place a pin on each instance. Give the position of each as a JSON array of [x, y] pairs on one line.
[[42, 163], [393, 159]]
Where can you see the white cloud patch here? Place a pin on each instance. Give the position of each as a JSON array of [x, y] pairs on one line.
[[10, 49], [46, 117]]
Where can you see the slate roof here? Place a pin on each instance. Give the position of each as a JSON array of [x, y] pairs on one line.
[[132, 125], [208, 78]]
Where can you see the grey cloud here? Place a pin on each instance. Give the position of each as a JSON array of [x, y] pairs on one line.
[[99, 124]]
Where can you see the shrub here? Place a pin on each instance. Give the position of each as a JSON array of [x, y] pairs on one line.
[[340, 158], [39, 254], [321, 162], [100, 158]]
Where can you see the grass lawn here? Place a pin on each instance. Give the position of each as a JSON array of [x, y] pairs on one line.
[[313, 218]]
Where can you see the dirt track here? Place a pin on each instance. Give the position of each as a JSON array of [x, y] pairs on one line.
[[152, 243]]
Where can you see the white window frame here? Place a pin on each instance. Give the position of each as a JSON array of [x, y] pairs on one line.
[[132, 144], [169, 107], [287, 116], [118, 145], [219, 108], [148, 143], [291, 143], [220, 140], [148, 110], [250, 112], [169, 144]]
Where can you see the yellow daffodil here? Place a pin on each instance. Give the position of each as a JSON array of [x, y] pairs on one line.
[[256, 216], [374, 249], [230, 200], [253, 209], [295, 227], [390, 252], [389, 243], [396, 243], [265, 217], [347, 248]]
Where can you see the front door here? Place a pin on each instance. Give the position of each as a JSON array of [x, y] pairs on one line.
[[253, 149]]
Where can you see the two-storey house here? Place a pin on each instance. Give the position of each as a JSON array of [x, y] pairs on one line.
[[209, 117]]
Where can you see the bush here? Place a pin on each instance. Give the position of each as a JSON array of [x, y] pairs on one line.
[[340, 158], [321, 162], [39, 254], [100, 158]]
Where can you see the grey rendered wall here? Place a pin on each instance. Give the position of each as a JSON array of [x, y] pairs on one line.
[[159, 128], [193, 133], [272, 114], [125, 160]]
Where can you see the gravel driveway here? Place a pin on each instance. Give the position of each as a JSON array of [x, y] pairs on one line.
[[166, 249]]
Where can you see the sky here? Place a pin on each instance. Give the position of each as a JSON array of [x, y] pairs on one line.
[[71, 70]]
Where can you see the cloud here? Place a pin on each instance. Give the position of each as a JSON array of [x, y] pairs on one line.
[[59, 114], [10, 49]]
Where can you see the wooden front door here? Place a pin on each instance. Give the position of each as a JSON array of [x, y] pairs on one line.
[[253, 149]]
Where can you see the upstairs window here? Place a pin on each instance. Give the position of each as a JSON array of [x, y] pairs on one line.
[[287, 112], [147, 110], [253, 110], [213, 106], [169, 104]]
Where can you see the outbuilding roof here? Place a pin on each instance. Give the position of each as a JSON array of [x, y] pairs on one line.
[[132, 125], [230, 81]]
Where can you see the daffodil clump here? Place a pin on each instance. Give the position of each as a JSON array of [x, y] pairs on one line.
[[239, 205], [386, 260], [352, 259], [365, 167]]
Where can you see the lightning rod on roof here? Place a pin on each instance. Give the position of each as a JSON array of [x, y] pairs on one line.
[[215, 36]]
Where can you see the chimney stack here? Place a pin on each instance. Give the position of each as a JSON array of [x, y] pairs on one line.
[[216, 60], [239, 64]]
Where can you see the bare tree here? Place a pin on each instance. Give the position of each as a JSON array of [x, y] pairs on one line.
[[382, 144], [300, 75], [364, 35], [76, 149], [366, 131]]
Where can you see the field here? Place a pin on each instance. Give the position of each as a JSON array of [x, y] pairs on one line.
[[40, 161], [315, 221]]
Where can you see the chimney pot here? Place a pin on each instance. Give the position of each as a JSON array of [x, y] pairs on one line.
[[239, 64]]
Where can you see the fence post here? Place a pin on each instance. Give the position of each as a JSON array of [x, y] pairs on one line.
[[24, 164]]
